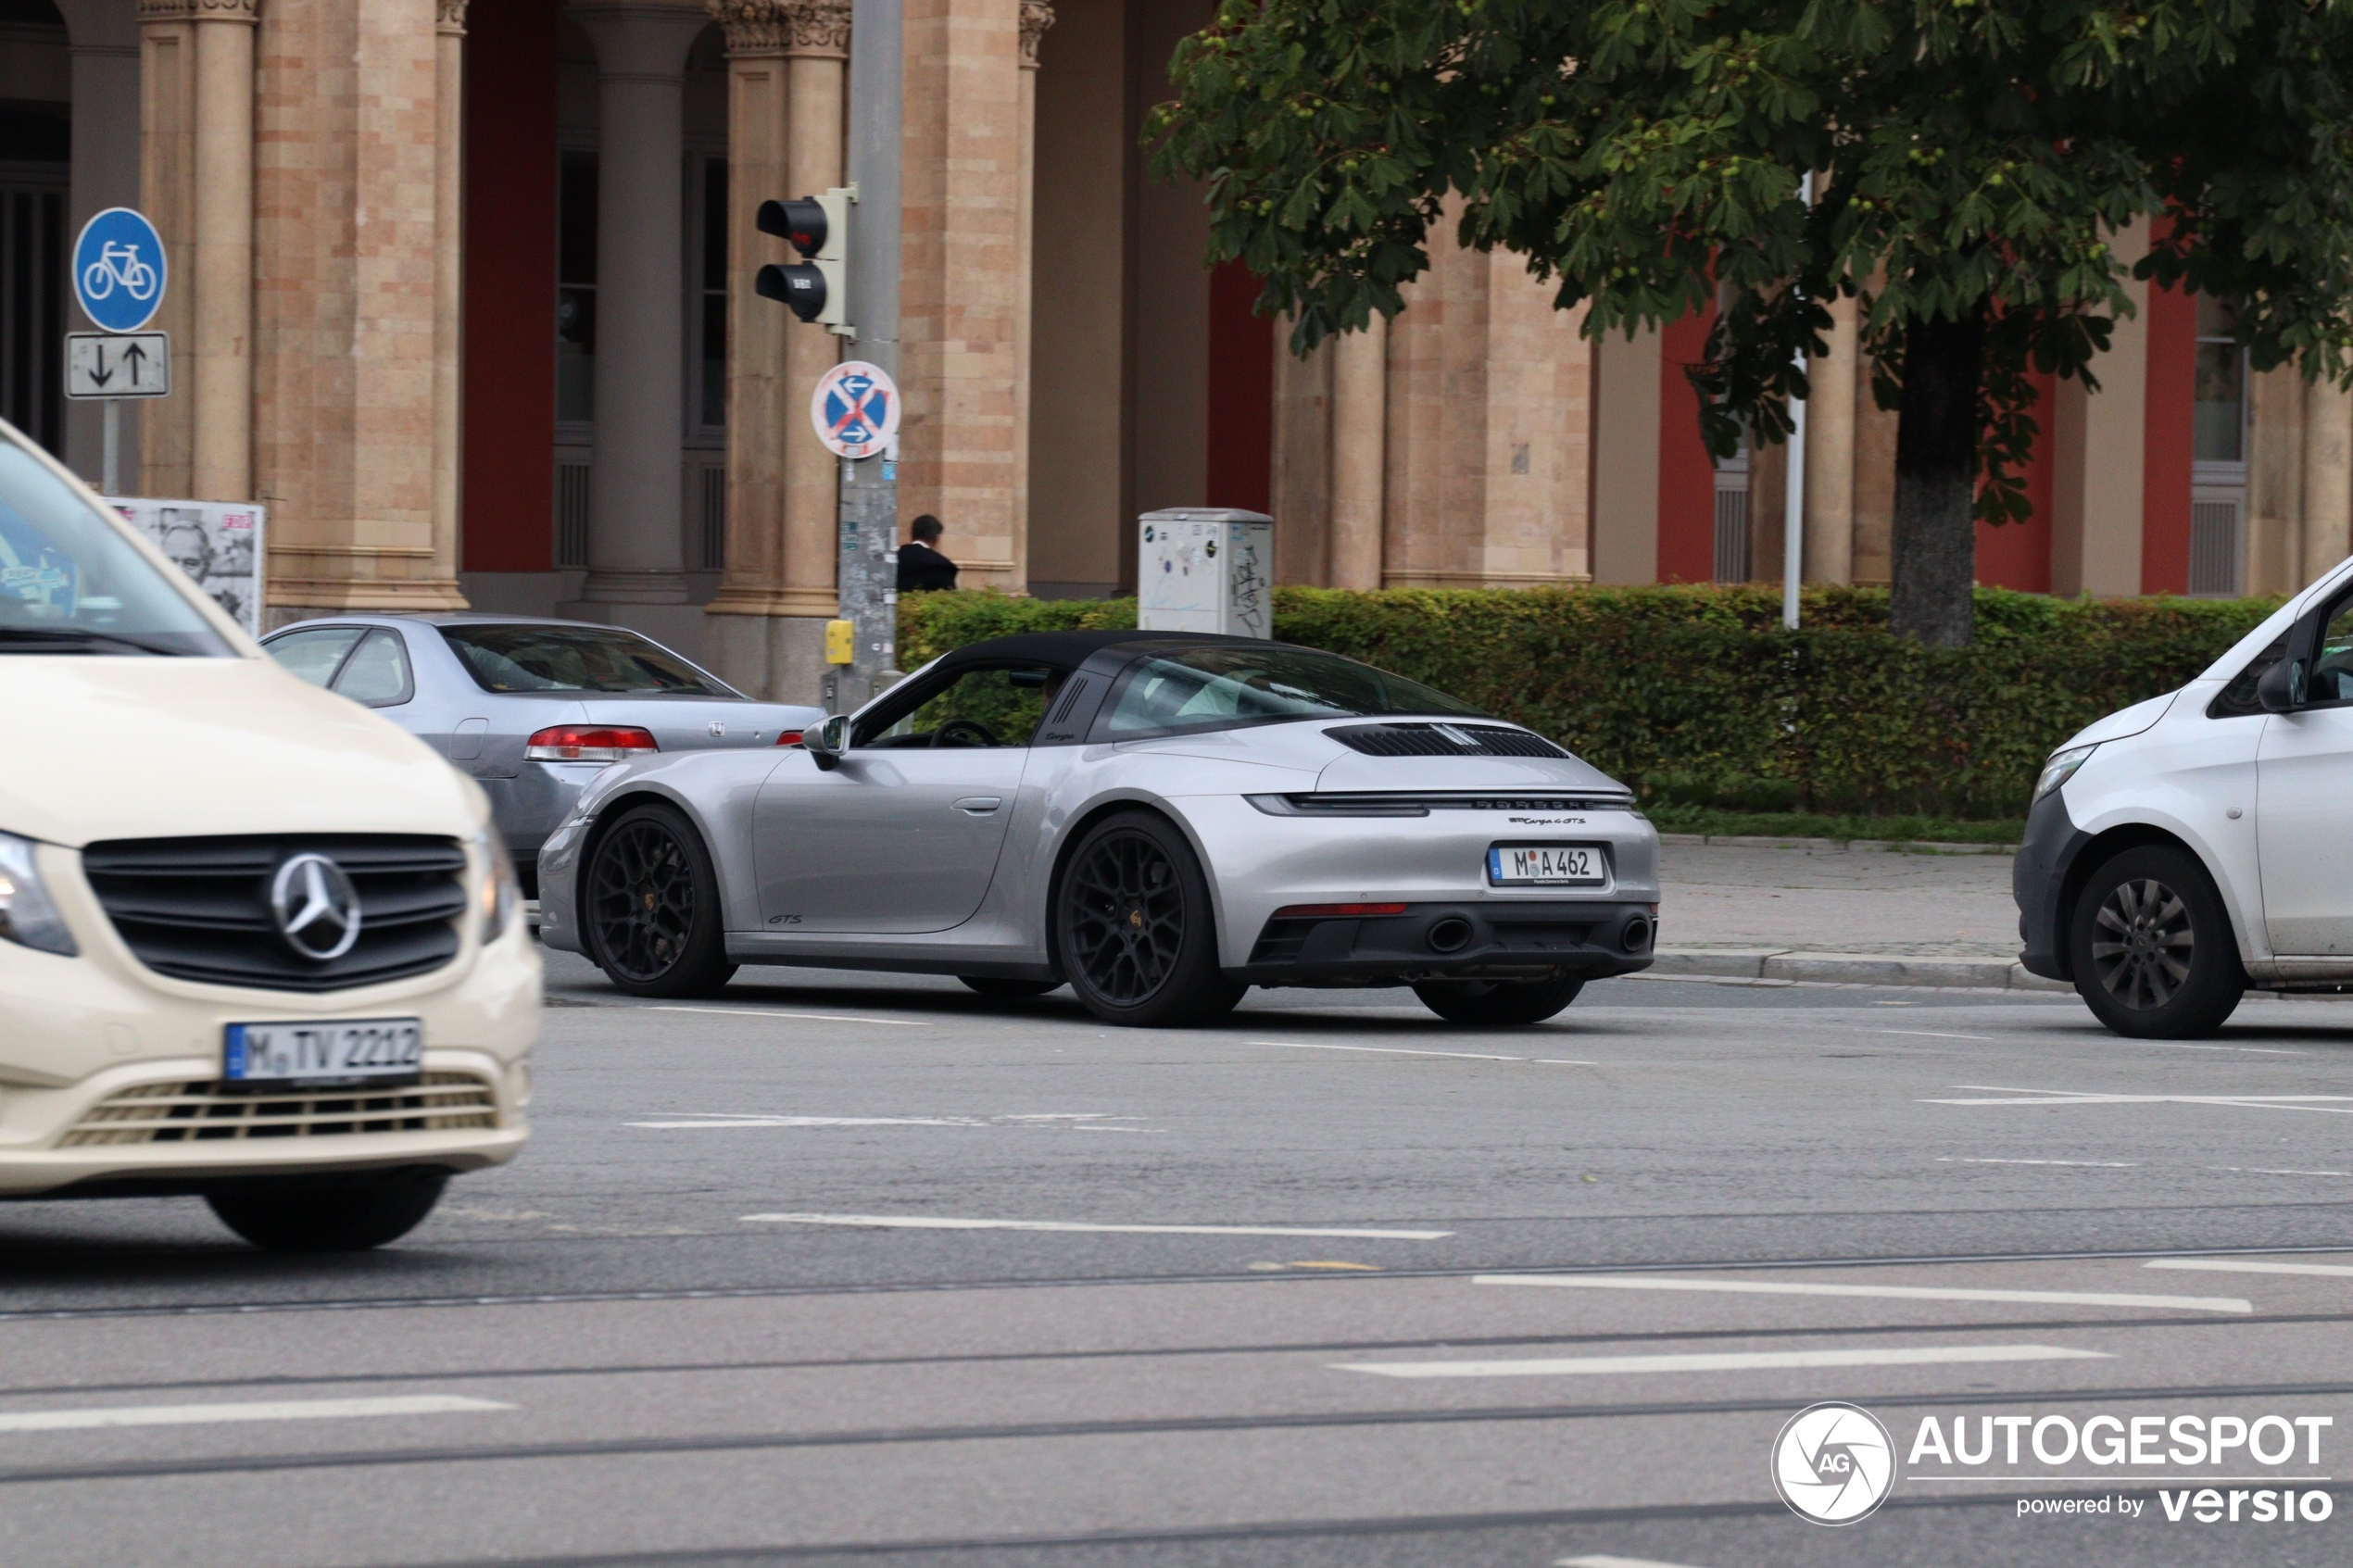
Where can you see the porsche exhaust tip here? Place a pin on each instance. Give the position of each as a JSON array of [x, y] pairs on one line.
[[1450, 933], [1637, 935]]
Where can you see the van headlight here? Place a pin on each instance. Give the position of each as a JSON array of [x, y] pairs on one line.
[[2061, 768], [499, 892], [28, 915]]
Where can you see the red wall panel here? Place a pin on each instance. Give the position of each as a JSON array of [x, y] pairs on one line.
[[509, 481], [1241, 392], [2170, 429], [2017, 555], [1686, 473]]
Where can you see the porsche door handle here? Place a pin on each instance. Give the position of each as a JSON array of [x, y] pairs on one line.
[[978, 805]]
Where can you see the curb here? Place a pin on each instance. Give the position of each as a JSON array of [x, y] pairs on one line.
[[1848, 969], [1835, 845]]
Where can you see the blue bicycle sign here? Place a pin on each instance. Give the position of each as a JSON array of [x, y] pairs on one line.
[[118, 270]]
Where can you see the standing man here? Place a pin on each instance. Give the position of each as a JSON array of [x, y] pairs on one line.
[[921, 569]]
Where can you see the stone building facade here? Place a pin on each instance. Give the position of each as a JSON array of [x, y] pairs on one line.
[[461, 291]]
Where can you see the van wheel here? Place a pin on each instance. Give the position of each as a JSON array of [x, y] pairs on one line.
[[652, 907], [1135, 928], [1498, 1003], [330, 1214], [2152, 951]]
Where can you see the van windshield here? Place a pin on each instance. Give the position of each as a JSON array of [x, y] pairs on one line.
[[70, 582]]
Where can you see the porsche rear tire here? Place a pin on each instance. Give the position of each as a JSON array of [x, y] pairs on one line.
[[1499, 1003], [651, 907], [1135, 928]]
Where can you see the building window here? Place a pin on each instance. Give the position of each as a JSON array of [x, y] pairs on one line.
[[1732, 515], [2217, 453], [711, 300], [577, 288]]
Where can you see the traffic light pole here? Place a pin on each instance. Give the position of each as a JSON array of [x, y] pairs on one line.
[[868, 569]]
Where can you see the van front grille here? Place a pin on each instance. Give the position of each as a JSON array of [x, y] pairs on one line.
[[198, 909], [192, 1112]]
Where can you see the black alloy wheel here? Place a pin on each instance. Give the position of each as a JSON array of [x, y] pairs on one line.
[[2152, 948], [651, 908], [1135, 929], [1499, 1003]]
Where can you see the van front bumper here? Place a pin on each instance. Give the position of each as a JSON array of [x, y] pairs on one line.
[[2038, 881]]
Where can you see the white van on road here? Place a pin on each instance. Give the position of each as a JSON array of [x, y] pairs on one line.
[[256, 943], [2200, 843]]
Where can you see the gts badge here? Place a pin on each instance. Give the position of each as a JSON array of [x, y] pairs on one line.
[[1546, 822], [784, 920]]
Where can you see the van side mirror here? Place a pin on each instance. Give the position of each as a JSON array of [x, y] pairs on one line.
[[2283, 687], [826, 742]]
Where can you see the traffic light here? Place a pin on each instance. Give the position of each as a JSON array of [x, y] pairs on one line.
[[818, 227]]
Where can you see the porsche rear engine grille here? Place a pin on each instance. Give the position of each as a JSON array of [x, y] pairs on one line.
[[193, 1112], [1442, 740], [198, 909]]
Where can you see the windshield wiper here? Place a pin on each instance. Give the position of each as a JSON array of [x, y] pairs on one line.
[[81, 639]]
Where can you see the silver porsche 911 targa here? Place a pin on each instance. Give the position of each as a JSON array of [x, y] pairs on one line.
[[1158, 819]]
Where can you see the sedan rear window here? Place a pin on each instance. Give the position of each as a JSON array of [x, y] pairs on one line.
[[573, 659], [1217, 686]]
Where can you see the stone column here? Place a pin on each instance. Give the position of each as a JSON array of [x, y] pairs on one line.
[[167, 195], [637, 548], [1360, 454], [103, 40], [2328, 477], [1829, 452], [1037, 16], [448, 284], [221, 442], [765, 630]]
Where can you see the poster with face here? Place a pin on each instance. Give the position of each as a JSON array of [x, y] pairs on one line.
[[218, 543]]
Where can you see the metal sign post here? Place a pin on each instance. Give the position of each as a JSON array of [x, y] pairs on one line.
[[119, 269], [868, 570]]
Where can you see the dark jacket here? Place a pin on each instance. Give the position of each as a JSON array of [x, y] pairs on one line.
[[922, 568]]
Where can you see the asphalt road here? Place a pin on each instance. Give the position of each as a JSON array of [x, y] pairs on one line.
[[1436, 1296]]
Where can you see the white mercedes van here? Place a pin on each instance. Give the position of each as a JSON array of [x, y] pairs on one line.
[[257, 943], [2200, 843]]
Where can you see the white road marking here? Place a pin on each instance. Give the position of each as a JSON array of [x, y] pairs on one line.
[[1897, 1292], [1724, 1360], [927, 1222], [2183, 1046], [2270, 1171], [1934, 1034], [1605, 1561], [2237, 1266], [2074, 1096], [816, 1017], [1389, 1050], [2100, 1164], [264, 1409], [1080, 1122]]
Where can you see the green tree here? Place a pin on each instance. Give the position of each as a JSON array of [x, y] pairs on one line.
[[1974, 158]]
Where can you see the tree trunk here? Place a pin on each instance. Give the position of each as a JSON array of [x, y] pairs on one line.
[[1934, 549]]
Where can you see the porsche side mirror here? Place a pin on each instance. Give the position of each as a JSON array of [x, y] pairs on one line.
[[2283, 687], [826, 742]]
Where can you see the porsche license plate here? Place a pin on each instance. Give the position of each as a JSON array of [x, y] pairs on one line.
[[1553, 864], [361, 1050]]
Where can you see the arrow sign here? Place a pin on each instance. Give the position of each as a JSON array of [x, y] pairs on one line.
[[117, 365]]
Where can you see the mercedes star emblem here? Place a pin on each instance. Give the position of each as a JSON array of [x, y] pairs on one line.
[[317, 908]]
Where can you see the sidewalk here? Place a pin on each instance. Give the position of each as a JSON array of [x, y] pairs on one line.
[[1819, 909]]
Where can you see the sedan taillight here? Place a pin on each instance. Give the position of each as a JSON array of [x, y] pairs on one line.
[[587, 743]]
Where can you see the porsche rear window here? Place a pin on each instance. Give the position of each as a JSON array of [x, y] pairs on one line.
[[1224, 687]]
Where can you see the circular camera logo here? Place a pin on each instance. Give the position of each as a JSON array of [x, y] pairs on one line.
[[1833, 1464]]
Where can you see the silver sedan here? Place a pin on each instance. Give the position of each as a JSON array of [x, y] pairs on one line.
[[533, 709], [1159, 821]]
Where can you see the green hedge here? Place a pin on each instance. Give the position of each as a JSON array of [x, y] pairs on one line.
[[1695, 694]]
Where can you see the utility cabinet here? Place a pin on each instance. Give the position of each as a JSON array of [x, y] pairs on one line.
[[1205, 568]]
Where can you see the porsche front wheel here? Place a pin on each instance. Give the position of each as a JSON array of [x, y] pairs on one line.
[[652, 907], [1136, 929]]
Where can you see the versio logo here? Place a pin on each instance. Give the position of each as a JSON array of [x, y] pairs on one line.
[[1833, 1464]]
